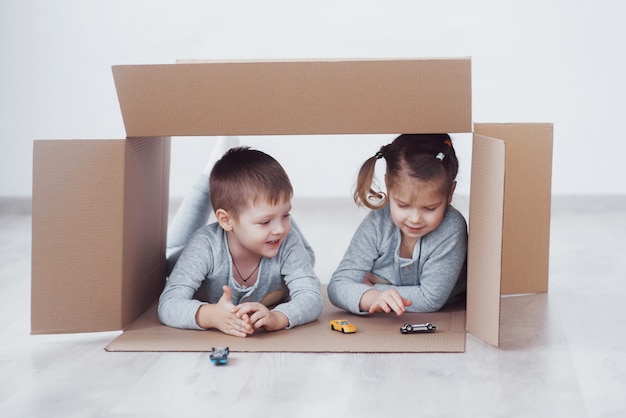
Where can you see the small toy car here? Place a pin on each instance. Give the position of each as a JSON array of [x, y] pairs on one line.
[[219, 355], [417, 328], [343, 326]]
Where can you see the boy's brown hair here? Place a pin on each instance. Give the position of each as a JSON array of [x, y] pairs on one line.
[[243, 176]]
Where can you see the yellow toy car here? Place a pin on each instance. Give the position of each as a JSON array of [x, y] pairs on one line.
[[343, 326]]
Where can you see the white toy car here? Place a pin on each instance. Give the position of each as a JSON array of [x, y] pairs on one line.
[[417, 328]]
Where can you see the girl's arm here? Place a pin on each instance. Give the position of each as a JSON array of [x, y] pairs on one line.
[[346, 287], [443, 256], [444, 253]]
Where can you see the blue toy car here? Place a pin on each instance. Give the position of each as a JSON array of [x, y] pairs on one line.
[[219, 355]]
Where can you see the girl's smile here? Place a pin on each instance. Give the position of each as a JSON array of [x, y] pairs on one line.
[[414, 229]]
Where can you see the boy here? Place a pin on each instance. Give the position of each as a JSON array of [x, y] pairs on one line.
[[250, 269]]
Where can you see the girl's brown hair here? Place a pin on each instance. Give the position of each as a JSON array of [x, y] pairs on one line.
[[425, 157], [243, 176]]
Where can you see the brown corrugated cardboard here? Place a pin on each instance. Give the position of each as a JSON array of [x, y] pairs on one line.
[[527, 204], [296, 97], [78, 189], [117, 190], [511, 183], [485, 239], [378, 333], [99, 219]]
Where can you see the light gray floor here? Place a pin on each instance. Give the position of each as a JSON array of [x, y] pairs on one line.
[[571, 364]]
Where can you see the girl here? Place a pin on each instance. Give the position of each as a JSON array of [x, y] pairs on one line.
[[409, 252]]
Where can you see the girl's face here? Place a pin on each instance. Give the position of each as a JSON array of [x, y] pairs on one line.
[[260, 229], [417, 207]]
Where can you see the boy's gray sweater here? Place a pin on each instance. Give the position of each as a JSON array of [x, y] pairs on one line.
[[286, 281]]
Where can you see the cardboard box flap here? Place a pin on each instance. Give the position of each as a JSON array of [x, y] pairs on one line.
[[486, 216], [145, 223], [98, 232], [78, 204], [528, 196], [295, 97]]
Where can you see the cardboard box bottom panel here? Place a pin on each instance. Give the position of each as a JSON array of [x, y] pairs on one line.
[[378, 333]]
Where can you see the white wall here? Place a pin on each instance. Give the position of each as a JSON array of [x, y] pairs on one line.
[[533, 61]]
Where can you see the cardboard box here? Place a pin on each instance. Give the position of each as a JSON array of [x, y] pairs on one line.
[[100, 207]]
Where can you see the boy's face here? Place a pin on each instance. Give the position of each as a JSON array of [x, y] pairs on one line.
[[417, 207], [261, 228]]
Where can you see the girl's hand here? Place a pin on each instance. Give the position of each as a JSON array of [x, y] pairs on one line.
[[384, 301], [220, 316], [259, 316]]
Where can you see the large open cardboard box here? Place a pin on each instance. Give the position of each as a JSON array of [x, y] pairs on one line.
[[100, 206]]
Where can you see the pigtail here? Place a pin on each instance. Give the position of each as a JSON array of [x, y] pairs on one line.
[[365, 193], [450, 162]]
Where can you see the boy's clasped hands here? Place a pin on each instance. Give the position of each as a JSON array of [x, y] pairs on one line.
[[239, 320]]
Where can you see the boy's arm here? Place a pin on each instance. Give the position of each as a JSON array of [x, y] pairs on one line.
[[277, 321], [177, 307], [306, 303]]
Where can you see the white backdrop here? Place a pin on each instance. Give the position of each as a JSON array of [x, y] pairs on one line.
[[533, 61]]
